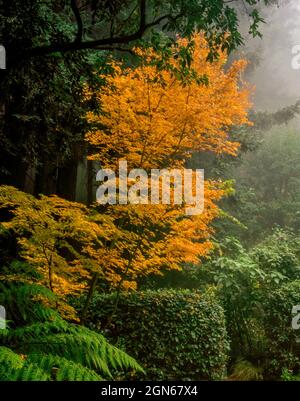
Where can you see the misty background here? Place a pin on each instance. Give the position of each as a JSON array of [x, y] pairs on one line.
[[276, 82]]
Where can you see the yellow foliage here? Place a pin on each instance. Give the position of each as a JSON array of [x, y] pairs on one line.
[[153, 125], [151, 120], [55, 237]]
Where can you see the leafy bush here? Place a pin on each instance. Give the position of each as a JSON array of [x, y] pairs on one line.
[[173, 334], [280, 253], [283, 347]]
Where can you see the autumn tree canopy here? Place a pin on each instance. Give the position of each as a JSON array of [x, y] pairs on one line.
[[152, 120]]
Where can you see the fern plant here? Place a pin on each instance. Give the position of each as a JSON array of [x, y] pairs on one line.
[[41, 345]]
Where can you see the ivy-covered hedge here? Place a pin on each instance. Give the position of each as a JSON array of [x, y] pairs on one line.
[[173, 334], [283, 350]]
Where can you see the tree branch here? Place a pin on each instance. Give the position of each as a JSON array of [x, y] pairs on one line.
[[99, 44], [114, 48]]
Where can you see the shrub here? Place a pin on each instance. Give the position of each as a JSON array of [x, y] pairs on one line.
[[283, 347], [175, 335]]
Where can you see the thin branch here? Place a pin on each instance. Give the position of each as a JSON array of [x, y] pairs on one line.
[[76, 12], [100, 44], [124, 22], [113, 48]]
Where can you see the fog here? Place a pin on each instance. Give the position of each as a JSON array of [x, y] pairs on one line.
[[276, 83]]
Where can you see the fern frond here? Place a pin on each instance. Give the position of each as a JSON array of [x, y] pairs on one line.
[[67, 370], [24, 302], [32, 333], [73, 342], [13, 367], [31, 372], [7, 356]]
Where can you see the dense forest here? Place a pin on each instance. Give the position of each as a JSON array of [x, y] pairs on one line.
[[141, 287]]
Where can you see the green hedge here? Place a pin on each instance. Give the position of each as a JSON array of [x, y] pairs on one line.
[[283, 350], [175, 335]]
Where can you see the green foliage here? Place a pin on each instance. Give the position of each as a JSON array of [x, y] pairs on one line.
[[247, 284], [258, 289], [238, 279], [21, 305], [66, 370], [288, 376], [13, 367], [47, 341], [175, 334], [75, 343], [39, 367], [279, 253], [267, 187], [245, 371], [283, 340], [38, 339], [39, 95]]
